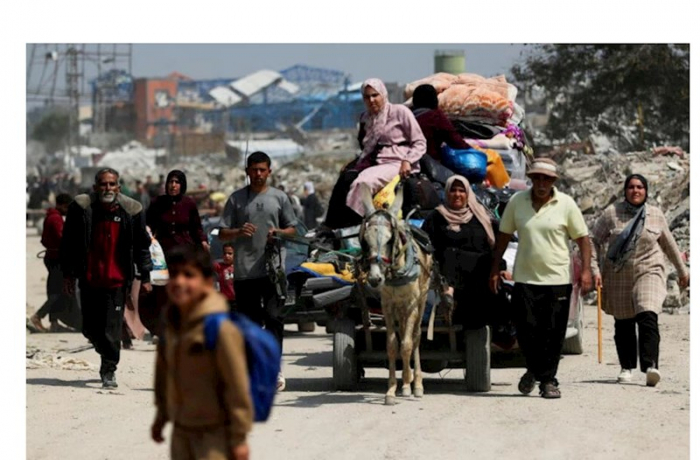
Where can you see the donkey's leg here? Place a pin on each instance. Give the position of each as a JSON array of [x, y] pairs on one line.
[[407, 350], [417, 372], [392, 349]]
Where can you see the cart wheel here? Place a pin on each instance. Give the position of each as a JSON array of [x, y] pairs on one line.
[[307, 326], [478, 357], [574, 345], [345, 370]]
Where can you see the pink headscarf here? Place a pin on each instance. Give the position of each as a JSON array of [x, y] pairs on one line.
[[457, 217], [375, 123]]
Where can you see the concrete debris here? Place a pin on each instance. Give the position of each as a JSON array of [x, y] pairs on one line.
[[132, 158], [596, 181], [674, 299], [322, 169], [40, 360], [601, 144]]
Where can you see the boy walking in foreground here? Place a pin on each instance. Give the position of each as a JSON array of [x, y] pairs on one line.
[[204, 393]]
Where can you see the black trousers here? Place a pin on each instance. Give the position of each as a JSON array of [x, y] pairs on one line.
[[58, 305], [339, 214], [103, 316], [55, 300], [152, 308], [626, 341], [541, 314], [257, 299]]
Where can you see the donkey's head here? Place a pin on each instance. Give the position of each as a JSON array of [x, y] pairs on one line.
[[379, 236]]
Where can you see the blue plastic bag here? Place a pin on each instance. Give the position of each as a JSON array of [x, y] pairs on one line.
[[470, 163]]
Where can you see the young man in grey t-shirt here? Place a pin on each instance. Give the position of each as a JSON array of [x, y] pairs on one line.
[[252, 216]]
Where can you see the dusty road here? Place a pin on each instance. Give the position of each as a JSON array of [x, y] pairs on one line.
[[69, 416]]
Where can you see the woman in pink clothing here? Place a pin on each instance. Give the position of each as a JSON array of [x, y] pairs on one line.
[[392, 143]]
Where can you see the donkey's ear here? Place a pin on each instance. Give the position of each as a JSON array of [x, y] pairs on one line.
[[398, 202], [366, 199]]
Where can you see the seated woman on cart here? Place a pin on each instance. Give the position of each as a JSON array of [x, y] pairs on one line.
[[392, 143], [462, 233]]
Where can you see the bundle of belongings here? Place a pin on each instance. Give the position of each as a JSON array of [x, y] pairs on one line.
[[485, 114]]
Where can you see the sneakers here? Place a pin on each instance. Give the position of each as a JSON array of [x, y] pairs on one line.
[[109, 380], [653, 377], [550, 390], [281, 382], [527, 383], [625, 376]]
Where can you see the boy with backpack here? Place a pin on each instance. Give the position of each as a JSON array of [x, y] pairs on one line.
[[203, 388]]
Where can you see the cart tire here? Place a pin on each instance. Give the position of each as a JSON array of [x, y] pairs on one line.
[[307, 326], [346, 375], [478, 357], [574, 345]]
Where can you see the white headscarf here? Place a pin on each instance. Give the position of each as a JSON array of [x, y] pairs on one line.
[[375, 123]]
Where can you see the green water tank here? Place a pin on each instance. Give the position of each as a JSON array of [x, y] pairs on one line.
[[450, 61]]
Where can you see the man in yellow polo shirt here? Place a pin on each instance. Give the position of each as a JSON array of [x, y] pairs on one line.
[[545, 220]]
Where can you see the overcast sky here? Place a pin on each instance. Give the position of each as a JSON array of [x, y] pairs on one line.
[[400, 62]]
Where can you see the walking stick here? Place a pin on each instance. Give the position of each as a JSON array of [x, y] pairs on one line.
[[600, 326]]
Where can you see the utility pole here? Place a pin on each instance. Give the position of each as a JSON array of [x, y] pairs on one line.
[[73, 90]]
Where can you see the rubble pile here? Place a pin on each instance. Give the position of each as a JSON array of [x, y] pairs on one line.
[[211, 171], [595, 181], [320, 168], [41, 360]]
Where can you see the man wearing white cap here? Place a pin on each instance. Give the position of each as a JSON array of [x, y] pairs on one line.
[[545, 220]]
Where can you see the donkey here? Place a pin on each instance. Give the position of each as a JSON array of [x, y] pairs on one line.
[[402, 272]]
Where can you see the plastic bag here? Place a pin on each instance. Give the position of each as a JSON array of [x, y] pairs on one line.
[[496, 172], [159, 273], [470, 163]]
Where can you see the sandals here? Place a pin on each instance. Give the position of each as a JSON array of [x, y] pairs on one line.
[[34, 324], [550, 390]]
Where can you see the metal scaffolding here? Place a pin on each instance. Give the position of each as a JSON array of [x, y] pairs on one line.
[[57, 75]]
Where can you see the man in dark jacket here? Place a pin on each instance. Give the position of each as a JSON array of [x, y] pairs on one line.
[[104, 246], [56, 302], [313, 209]]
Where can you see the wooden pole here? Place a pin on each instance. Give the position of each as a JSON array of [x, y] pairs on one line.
[[600, 326]]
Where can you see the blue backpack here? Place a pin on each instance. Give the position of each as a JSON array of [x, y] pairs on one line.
[[263, 356]]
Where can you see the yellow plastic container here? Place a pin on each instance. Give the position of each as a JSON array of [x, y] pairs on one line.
[[386, 196]]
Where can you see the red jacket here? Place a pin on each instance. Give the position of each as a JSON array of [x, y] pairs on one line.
[[53, 231]]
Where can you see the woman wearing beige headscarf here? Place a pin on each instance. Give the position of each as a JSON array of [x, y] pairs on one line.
[[462, 233]]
